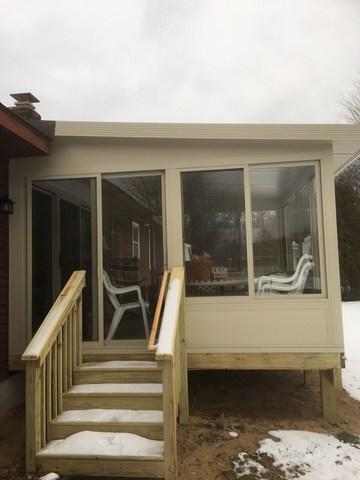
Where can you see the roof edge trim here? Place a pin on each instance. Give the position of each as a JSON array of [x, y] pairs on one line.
[[225, 131]]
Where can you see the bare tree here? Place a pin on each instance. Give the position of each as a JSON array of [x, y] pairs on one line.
[[351, 104]]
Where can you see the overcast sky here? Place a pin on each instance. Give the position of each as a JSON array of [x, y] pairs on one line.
[[181, 60]]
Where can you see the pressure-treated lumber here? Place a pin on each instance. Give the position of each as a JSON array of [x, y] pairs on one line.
[[169, 325], [263, 361], [338, 378], [49, 364], [158, 310], [112, 400], [311, 378], [43, 415], [328, 394], [169, 408], [106, 375], [65, 358], [184, 394], [101, 467], [48, 392], [171, 353], [49, 329], [154, 431], [54, 380], [109, 355], [59, 370], [32, 420], [79, 326]]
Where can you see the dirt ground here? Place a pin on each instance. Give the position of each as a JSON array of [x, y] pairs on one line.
[[249, 403]]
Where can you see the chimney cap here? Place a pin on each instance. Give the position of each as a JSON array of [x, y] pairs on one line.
[[24, 97]]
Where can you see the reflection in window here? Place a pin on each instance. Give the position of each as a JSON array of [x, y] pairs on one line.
[[214, 233], [285, 230], [136, 240], [64, 240], [133, 255]]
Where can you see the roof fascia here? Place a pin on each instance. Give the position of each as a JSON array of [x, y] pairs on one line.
[[318, 132], [23, 130]]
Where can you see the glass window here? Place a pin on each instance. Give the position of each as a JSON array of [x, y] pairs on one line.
[[285, 230], [214, 233]]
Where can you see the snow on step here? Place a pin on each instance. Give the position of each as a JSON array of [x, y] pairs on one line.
[[130, 388], [120, 365], [105, 444], [111, 415]]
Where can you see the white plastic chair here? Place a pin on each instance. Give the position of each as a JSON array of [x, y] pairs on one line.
[[296, 286], [121, 308], [278, 279]]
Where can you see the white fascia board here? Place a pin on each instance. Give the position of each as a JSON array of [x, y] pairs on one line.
[[224, 131]]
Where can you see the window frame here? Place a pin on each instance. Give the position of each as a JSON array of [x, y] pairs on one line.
[[251, 295]]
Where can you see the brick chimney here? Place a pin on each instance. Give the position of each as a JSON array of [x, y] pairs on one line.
[[24, 106]]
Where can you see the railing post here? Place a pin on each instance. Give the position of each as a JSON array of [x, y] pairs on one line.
[[33, 411], [184, 395], [169, 411], [79, 321], [60, 372]]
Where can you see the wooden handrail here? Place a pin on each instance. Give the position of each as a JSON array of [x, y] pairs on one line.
[[51, 358], [171, 354], [169, 325], [158, 310], [42, 341]]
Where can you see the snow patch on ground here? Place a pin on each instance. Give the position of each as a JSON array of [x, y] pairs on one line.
[[117, 388], [304, 455], [50, 476], [351, 374], [111, 415], [105, 444], [245, 465]]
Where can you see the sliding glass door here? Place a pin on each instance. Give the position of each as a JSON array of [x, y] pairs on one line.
[[65, 235], [64, 240], [133, 253]]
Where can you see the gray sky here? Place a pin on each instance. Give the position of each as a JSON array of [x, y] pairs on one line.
[[181, 60]]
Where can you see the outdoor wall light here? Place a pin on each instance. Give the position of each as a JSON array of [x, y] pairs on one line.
[[6, 205]]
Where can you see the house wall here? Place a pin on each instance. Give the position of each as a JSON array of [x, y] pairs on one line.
[[214, 324], [4, 271]]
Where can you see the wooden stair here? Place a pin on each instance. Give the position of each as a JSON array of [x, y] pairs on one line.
[[106, 417], [118, 371], [117, 415]]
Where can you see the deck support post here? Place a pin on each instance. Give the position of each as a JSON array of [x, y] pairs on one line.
[[311, 378], [338, 378], [328, 394]]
